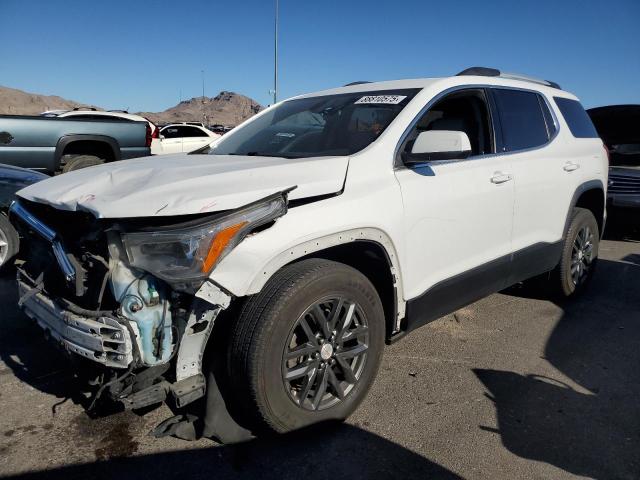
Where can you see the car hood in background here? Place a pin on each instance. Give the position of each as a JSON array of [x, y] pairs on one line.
[[13, 179], [186, 184]]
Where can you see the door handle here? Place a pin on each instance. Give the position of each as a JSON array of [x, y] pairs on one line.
[[570, 167], [500, 177]]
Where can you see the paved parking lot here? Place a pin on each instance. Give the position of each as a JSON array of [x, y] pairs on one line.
[[511, 387]]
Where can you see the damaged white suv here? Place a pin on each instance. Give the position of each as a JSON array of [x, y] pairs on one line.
[[265, 273]]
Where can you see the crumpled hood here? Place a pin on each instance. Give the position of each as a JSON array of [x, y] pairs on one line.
[[186, 184]]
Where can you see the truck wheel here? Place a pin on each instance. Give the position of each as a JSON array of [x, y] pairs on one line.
[[579, 255], [8, 241], [76, 162], [306, 348]]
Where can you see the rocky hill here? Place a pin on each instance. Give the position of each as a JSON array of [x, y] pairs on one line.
[[227, 108], [17, 102]]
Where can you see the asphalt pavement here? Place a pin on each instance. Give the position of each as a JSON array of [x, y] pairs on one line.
[[513, 386]]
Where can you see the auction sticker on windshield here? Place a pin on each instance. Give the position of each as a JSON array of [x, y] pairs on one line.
[[382, 99]]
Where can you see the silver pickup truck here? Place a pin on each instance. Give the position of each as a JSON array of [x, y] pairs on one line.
[[55, 145]]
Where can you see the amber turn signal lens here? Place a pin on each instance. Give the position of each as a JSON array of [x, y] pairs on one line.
[[220, 241]]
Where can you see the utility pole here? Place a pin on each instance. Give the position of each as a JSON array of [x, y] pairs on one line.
[[275, 59], [204, 117]]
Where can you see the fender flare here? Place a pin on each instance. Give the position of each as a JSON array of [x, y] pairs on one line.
[[582, 188], [66, 140], [368, 234]]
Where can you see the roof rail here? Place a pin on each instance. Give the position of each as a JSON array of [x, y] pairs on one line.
[[493, 72], [360, 82], [93, 109], [118, 111]]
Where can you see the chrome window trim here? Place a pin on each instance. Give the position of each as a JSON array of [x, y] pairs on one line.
[[399, 164]]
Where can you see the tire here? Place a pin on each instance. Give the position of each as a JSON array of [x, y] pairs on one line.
[[9, 241], [271, 322], [579, 255], [76, 162]]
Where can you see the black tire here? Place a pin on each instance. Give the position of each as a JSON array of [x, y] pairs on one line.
[[9, 241], [564, 281], [76, 162], [259, 339]]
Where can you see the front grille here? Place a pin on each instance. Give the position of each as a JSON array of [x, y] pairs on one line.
[[81, 239], [624, 184]]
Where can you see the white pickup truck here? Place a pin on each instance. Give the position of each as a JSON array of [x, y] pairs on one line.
[[267, 273]]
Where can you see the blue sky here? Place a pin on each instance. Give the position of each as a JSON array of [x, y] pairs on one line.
[[144, 54]]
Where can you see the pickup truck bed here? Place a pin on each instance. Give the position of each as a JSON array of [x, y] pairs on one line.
[[40, 143]]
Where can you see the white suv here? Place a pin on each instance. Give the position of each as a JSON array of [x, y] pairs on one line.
[[306, 238]]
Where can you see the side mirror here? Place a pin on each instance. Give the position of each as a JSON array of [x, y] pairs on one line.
[[438, 145], [161, 137]]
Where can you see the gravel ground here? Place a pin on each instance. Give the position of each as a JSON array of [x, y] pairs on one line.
[[512, 386]]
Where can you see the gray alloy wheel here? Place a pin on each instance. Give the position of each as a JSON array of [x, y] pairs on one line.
[[582, 255], [8, 240], [325, 354]]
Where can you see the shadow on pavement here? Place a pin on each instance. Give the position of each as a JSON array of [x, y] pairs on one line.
[[324, 452], [592, 428]]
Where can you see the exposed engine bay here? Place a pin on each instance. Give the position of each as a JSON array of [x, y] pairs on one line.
[[142, 331]]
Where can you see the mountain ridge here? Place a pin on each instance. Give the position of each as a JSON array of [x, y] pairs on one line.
[[226, 108]]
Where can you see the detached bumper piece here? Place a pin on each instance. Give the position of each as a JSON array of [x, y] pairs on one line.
[[103, 340]]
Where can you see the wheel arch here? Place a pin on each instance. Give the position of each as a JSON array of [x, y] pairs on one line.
[[103, 142], [591, 196], [368, 250]]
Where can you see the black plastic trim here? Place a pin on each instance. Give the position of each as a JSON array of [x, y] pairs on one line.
[[456, 292], [590, 185]]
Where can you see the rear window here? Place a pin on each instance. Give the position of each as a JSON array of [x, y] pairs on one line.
[[579, 122], [522, 119]]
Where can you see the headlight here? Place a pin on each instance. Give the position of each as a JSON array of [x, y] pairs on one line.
[[185, 257]]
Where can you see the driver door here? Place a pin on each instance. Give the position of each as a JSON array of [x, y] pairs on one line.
[[458, 214]]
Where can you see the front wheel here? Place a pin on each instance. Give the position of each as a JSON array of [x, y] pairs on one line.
[[579, 255], [8, 241], [307, 348]]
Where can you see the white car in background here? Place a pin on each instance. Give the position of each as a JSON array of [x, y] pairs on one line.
[[183, 138], [94, 114]]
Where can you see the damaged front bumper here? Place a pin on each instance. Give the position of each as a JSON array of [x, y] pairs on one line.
[[103, 339]]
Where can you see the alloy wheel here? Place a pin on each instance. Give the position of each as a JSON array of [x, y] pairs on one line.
[[582, 255], [4, 247], [325, 353]]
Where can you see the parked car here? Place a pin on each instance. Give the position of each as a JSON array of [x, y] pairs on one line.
[[619, 128], [327, 225], [12, 179], [184, 137], [58, 145], [94, 114]]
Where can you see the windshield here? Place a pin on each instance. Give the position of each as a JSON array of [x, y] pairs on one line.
[[318, 126]]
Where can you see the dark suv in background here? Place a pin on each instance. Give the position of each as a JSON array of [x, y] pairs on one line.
[[619, 128]]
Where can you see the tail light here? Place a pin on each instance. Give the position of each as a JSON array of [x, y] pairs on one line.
[[149, 136], [155, 131]]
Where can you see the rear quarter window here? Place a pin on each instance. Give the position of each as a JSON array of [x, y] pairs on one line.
[[574, 114]]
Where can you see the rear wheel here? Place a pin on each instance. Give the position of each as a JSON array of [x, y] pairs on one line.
[[8, 241], [307, 347], [579, 254], [76, 162]]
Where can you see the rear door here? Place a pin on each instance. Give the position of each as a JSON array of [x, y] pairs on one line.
[[194, 138], [541, 174]]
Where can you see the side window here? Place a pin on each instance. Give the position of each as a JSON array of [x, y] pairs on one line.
[[192, 132], [579, 122], [171, 132], [466, 111], [522, 119]]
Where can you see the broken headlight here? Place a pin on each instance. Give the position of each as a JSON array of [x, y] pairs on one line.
[[184, 257]]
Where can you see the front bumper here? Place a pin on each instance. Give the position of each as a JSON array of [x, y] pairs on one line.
[[103, 340]]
